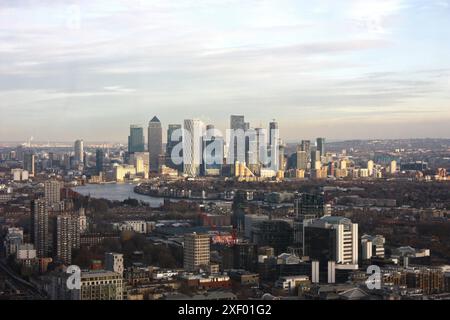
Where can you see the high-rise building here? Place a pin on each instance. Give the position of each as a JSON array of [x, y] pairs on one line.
[[196, 251], [305, 145], [192, 146], [65, 237], [114, 262], [29, 163], [170, 145], [273, 126], [99, 157], [331, 238], [154, 143], [136, 140], [315, 159], [302, 160], [213, 148], [370, 167], [39, 227], [393, 167], [79, 151], [237, 122], [52, 190], [281, 157], [320, 144]]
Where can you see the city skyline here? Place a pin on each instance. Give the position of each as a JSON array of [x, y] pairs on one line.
[[359, 69]]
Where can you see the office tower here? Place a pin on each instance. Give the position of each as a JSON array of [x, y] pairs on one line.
[[315, 159], [372, 246], [261, 146], [99, 156], [273, 125], [29, 162], [370, 166], [136, 140], [114, 262], [275, 233], [320, 145], [302, 160], [310, 206], [52, 190], [79, 151], [192, 146], [65, 237], [237, 122], [393, 167], [331, 238], [281, 161], [154, 143], [196, 251], [39, 227], [213, 147], [172, 130], [305, 145]]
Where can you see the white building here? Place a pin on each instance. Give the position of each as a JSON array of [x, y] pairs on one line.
[[26, 252], [138, 226], [114, 262], [13, 240], [291, 283], [19, 175], [192, 146], [372, 246]]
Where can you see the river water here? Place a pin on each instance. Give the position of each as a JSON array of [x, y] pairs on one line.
[[116, 192]]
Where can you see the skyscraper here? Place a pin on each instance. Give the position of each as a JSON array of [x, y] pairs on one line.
[[99, 156], [52, 190], [29, 162], [39, 227], [154, 143], [320, 144], [302, 160], [305, 145], [66, 237], [273, 125], [171, 144], [136, 140], [315, 159], [79, 151], [213, 146], [192, 146], [237, 122], [196, 251]]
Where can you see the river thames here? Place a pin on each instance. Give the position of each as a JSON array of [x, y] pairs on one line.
[[116, 192]]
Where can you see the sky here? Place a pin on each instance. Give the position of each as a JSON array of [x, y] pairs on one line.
[[348, 69]]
